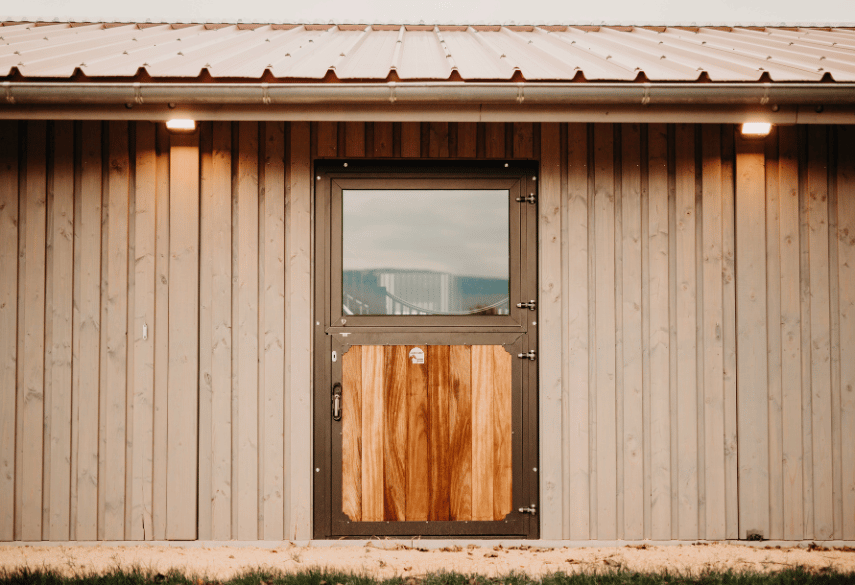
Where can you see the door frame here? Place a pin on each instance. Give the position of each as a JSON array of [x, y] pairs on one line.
[[518, 330]]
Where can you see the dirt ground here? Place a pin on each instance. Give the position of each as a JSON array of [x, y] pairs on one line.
[[386, 559]]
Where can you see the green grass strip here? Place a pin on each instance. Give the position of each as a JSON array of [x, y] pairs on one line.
[[797, 576]]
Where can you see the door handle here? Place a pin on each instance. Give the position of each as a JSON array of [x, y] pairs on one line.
[[336, 401]]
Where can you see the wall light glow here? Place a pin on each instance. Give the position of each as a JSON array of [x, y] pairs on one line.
[[756, 129], [181, 125]]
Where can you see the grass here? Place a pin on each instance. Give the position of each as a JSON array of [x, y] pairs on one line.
[[798, 576]]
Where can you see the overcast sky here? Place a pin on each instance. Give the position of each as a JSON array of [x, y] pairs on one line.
[[439, 11], [456, 232]]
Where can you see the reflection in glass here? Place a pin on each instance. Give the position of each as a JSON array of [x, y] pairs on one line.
[[425, 252]]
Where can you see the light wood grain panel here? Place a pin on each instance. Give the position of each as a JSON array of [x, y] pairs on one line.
[[351, 433], [460, 429], [130, 366], [116, 321], [327, 139], [438, 140], [206, 342], [551, 323], [183, 338], [502, 433], [820, 332], [466, 139], [21, 293], [215, 335], [383, 139], [805, 302], [58, 358], [482, 432], [686, 302], [260, 318], [298, 360], [8, 322], [394, 433], [418, 488], [410, 139], [751, 339], [728, 199], [145, 173], [495, 139], [32, 326], [161, 334], [523, 140], [606, 448], [845, 239], [373, 417], [660, 407], [354, 133], [790, 326], [773, 340], [245, 421], [633, 431], [713, 376], [104, 393], [834, 298], [273, 328], [576, 348], [438, 361], [644, 157], [48, 341]]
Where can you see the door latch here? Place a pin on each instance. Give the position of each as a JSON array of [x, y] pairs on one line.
[[529, 305], [530, 510], [336, 401], [530, 198], [530, 355]]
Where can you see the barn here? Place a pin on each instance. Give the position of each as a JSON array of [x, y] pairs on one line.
[[265, 282]]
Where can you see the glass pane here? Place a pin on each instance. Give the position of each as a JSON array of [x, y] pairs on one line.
[[425, 252]]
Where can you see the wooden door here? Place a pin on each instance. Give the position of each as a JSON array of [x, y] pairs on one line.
[[425, 420]]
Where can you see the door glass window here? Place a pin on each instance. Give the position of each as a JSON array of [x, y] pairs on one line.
[[425, 252]]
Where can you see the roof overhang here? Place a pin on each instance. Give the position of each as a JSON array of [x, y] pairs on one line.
[[779, 103]]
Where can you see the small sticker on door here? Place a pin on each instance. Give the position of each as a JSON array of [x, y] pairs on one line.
[[417, 355]]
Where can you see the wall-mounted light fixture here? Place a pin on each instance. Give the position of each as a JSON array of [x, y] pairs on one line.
[[181, 126], [756, 129]]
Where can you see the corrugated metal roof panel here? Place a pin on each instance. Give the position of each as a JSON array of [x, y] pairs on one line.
[[312, 52]]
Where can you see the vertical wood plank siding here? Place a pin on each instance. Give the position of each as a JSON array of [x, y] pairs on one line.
[[700, 285], [118, 244], [737, 244]]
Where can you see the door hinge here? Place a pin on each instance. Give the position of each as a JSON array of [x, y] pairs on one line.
[[531, 305], [530, 355], [530, 510], [530, 198]]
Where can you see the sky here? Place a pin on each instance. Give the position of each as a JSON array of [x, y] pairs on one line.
[[456, 232], [440, 11]]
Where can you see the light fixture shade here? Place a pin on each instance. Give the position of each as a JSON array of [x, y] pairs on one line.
[[181, 125], [756, 129]]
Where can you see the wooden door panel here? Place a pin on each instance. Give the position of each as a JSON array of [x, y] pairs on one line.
[[373, 378], [460, 420], [351, 428], [439, 391], [418, 493], [395, 433], [426, 441]]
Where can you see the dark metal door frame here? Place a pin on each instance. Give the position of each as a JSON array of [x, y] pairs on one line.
[[517, 331]]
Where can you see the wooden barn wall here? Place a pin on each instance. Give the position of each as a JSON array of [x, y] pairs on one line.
[[697, 355], [145, 305], [697, 319]]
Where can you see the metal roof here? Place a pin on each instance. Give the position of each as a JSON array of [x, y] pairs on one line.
[[432, 53]]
